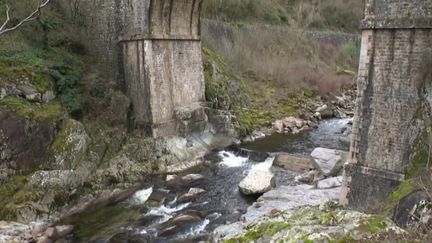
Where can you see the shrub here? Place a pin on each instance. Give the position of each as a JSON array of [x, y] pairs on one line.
[[65, 79]]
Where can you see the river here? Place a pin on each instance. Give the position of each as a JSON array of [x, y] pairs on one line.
[[152, 213]]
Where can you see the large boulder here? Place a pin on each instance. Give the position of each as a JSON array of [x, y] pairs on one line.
[[329, 161], [324, 223], [259, 180], [293, 163], [70, 146], [288, 197], [414, 210], [26, 135], [325, 112]]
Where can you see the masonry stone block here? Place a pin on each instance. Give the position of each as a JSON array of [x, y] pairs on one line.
[[396, 53]]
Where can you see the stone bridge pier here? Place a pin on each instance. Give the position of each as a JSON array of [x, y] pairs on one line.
[[163, 68], [394, 98]]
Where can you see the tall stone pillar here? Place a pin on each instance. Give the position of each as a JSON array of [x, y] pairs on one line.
[[163, 64], [393, 85]]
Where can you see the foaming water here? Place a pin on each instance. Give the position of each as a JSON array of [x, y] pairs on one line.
[[267, 164], [194, 230], [141, 196], [164, 210], [229, 159]]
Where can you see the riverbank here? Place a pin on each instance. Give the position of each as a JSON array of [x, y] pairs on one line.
[[171, 199], [95, 172]]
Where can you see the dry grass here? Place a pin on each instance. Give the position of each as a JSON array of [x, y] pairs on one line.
[[281, 55], [341, 15]]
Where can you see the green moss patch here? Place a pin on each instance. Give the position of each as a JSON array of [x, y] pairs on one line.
[[47, 112], [266, 229], [22, 73], [315, 224]]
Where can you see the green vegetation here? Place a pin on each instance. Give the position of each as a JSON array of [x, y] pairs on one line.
[[253, 101], [48, 112], [274, 74], [337, 15], [374, 223], [255, 232], [46, 51], [312, 224]]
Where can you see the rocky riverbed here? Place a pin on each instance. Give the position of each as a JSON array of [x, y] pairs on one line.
[[212, 199], [189, 205]]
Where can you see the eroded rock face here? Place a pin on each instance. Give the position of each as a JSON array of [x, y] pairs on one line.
[[70, 145], [24, 143]]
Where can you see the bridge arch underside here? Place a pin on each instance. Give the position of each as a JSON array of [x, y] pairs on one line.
[[394, 98], [163, 65]]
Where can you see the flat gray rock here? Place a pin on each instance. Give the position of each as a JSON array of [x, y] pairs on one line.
[[329, 161], [287, 197]]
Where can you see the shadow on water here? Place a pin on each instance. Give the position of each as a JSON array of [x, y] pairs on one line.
[[140, 218]]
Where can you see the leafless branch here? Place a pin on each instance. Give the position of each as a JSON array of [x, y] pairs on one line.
[[30, 17]]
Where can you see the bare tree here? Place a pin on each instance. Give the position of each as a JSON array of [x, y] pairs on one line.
[[31, 16]]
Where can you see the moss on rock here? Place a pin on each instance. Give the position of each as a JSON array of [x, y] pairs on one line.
[[48, 112], [316, 224], [70, 146], [19, 74]]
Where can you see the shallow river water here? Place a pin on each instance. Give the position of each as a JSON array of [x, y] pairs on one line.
[[152, 213]]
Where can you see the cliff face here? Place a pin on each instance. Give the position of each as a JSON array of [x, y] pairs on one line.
[[393, 108]]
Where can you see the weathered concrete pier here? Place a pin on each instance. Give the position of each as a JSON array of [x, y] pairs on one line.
[[163, 65], [394, 97]]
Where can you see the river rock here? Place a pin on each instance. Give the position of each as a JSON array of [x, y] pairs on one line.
[[38, 228], [193, 192], [329, 161], [167, 231], [288, 197], [185, 219], [259, 180], [51, 233], [278, 126], [192, 178], [329, 183], [309, 177], [325, 111], [171, 179], [293, 163], [64, 230], [158, 196], [44, 239]]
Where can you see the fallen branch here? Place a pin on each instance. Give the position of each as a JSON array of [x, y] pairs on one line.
[[30, 17]]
